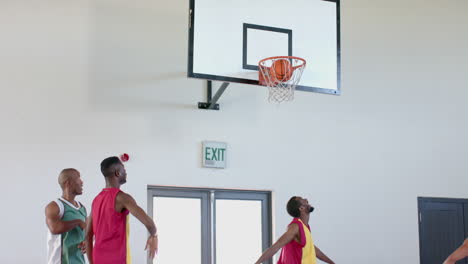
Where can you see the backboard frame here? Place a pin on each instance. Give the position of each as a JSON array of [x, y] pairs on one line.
[[190, 61]]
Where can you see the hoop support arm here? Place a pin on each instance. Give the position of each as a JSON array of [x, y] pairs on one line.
[[210, 103]]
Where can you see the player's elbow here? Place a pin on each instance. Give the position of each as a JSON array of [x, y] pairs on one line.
[[55, 230]]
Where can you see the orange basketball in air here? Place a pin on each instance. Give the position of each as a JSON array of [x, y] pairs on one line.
[[281, 69]]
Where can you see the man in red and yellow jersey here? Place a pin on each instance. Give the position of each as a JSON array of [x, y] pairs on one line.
[[297, 243], [108, 223]]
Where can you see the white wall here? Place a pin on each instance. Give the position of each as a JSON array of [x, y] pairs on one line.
[[82, 80]]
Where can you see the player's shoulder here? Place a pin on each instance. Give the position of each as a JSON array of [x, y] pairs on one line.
[[52, 205], [295, 225], [123, 196], [52, 208]]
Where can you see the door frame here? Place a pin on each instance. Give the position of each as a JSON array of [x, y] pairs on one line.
[[208, 198]]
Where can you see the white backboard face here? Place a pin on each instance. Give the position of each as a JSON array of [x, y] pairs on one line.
[[228, 38]]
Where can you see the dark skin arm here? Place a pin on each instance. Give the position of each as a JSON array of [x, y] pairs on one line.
[[55, 224], [89, 239], [460, 253], [291, 233], [82, 245], [320, 255], [124, 201]]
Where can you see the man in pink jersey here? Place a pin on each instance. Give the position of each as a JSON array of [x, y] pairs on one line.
[[297, 243], [108, 223]]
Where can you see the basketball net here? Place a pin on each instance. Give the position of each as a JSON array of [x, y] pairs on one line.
[[281, 75]]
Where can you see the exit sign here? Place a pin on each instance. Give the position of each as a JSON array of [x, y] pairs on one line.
[[214, 154]]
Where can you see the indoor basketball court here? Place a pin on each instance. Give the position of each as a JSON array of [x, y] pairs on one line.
[[221, 111]]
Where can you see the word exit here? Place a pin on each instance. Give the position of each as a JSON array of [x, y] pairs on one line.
[[214, 154]]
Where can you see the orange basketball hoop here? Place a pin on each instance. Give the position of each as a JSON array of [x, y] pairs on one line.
[[280, 74]]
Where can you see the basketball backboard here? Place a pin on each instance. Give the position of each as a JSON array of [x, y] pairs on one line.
[[227, 39]]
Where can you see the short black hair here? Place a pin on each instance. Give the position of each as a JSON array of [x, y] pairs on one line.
[[108, 165], [293, 207]]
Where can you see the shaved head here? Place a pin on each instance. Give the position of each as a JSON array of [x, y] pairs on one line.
[[65, 175]]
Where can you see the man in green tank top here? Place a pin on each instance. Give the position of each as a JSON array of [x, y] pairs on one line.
[[66, 219]]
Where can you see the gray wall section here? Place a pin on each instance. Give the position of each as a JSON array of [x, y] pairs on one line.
[[83, 80]]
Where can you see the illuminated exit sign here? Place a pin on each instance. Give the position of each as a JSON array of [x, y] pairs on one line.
[[214, 154]]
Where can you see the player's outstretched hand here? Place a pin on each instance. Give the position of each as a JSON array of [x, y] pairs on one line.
[[152, 246]]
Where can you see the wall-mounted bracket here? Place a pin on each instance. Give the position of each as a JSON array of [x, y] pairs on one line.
[[210, 103]]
